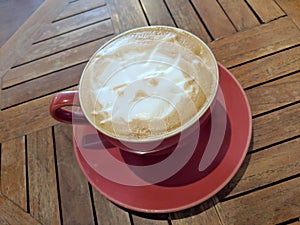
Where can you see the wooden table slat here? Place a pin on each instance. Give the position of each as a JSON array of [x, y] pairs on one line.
[[274, 94], [292, 9], [157, 12], [43, 196], [126, 15], [11, 214], [13, 171], [21, 42], [220, 26], [77, 7], [187, 18], [68, 40], [240, 14], [75, 22], [276, 126], [107, 212], [205, 213], [283, 161], [76, 205], [24, 119], [268, 68], [150, 220], [256, 42], [272, 205], [42, 86], [267, 10], [57, 61]]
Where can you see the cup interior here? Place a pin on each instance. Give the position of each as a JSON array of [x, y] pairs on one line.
[[138, 37]]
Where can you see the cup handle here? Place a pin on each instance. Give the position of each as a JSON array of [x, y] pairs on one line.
[[63, 99]]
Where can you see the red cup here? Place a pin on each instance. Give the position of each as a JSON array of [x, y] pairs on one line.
[[70, 98], [61, 100]]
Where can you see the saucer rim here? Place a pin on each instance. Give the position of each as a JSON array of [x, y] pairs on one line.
[[214, 190]]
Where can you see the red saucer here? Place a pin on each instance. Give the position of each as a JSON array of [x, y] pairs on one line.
[[182, 179]]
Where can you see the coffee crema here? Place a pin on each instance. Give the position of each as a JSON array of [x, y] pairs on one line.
[[146, 83]]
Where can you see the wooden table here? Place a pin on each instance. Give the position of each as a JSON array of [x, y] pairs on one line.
[[258, 41]]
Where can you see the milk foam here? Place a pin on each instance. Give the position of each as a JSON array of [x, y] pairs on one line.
[[147, 78]]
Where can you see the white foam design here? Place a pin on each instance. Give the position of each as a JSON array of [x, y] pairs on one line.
[[149, 74]]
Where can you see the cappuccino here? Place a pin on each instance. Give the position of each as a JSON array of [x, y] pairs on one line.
[[147, 83]]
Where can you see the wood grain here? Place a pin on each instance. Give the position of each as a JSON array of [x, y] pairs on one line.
[[292, 9], [74, 22], [76, 205], [77, 7], [220, 26], [13, 171], [57, 61], [11, 214], [157, 12], [268, 68], [274, 94], [68, 40], [152, 220], [21, 42], [126, 15], [107, 212], [239, 13], [202, 214], [271, 205], [267, 10], [42, 86], [256, 42], [24, 119], [276, 126], [283, 161], [43, 196], [187, 18]]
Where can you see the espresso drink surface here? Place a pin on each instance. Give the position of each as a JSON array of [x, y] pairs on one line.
[[148, 83]]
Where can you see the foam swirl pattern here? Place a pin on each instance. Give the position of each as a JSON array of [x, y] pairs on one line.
[[148, 83]]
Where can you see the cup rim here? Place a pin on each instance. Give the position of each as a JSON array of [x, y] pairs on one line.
[[181, 128]]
